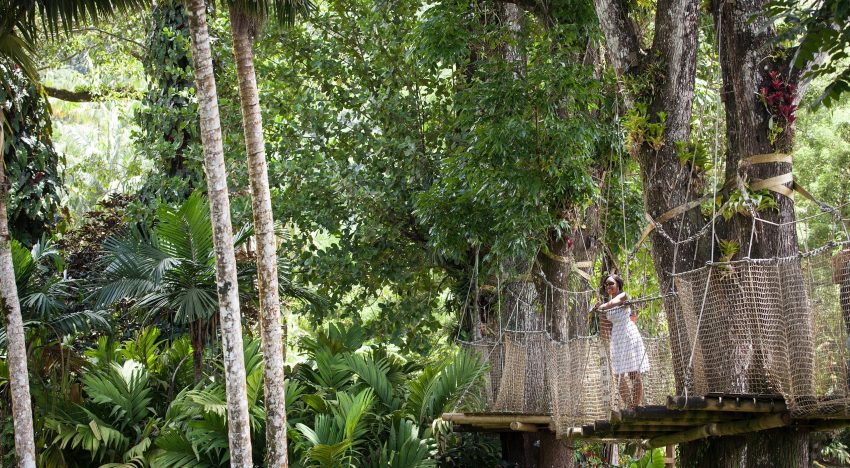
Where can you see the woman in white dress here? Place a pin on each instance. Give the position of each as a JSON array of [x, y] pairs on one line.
[[628, 355]]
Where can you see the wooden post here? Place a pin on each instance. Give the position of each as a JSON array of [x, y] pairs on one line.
[[669, 457], [513, 451]]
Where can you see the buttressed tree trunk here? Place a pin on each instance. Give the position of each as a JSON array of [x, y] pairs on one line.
[[16, 347], [243, 28], [225, 258]]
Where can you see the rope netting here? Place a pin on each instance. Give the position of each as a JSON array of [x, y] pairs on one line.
[[755, 327], [768, 327], [573, 379]]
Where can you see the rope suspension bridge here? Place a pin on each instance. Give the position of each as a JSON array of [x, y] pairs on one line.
[[735, 347]]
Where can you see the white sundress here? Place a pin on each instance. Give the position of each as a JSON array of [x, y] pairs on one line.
[[628, 353]]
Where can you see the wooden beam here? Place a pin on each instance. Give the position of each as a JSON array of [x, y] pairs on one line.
[[823, 425], [660, 414], [602, 425], [650, 428], [524, 427], [720, 429], [505, 419], [617, 436], [729, 404], [465, 428], [684, 421]]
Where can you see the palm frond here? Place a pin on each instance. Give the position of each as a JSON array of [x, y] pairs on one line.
[[123, 389], [440, 386], [284, 11], [187, 231], [16, 48], [405, 448], [374, 373], [174, 450], [58, 16], [80, 321]]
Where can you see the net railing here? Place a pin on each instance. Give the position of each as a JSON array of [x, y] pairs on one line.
[[753, 327], [769, 327], [573, 379]]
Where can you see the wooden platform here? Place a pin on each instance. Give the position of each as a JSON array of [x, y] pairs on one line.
[[681, 420]]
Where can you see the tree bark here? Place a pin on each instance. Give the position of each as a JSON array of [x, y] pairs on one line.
[[670, 65], [15, 337], [225, 258], [197, 334], [565, 312], [747, 51], [84, 95], [270, 312]]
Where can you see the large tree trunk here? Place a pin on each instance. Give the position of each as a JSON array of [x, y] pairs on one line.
[[746, 43], [559, 281], [225, 258], [669, 184], [261, 204], [16, 351], [663, 80]]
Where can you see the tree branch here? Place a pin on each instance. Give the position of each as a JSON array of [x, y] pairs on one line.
[[81, 95], [111, 34], [137, 54], [620, 34]]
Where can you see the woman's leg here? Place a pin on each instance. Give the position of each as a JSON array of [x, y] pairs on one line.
[[637, 388], [625, 393]]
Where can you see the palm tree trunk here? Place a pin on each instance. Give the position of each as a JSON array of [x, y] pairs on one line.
[[16, 347], [242, 27], [225, 258]]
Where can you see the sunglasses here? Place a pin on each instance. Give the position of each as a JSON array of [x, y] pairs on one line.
[[610, 284]]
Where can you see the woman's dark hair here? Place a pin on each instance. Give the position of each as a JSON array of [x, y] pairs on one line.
[[617, 279]]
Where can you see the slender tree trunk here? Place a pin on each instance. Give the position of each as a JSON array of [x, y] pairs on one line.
[[225, 258], [16, 347], [197, 334], [270, 317]]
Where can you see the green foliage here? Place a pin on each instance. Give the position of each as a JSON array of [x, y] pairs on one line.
[[835, 452], [728, 249], [335, 438], [405, 448], [196, 421], [404, 141], [50, 302], [23, 23], [369, 407], [169, 269], [643, 129], [168, 132], [113, 424], [823, 136], [651, 459], [622, 203], [31, 160]]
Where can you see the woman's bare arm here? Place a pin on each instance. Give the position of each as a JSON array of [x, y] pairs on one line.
[[617, 301]]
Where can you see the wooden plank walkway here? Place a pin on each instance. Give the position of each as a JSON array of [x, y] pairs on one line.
[[683, 419]]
